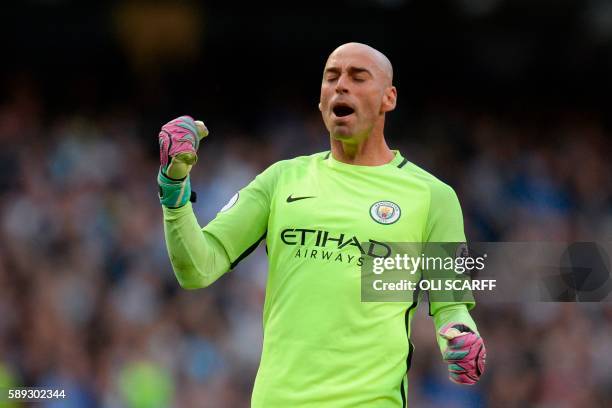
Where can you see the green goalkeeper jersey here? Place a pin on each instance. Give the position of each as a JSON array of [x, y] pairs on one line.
[[322, 346]]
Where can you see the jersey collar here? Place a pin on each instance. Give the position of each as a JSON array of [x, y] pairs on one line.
[[398, 161]]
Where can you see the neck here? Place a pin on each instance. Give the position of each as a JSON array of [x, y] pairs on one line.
[[370, 151]]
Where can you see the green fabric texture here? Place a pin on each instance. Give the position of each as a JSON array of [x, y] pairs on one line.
[[198, 259], [323, 347]]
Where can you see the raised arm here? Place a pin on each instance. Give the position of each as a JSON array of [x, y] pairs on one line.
[[199, 256]]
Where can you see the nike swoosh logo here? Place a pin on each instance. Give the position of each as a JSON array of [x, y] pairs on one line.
[[291, 199]]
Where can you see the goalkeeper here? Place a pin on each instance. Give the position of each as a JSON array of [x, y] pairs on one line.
[[323, 347]]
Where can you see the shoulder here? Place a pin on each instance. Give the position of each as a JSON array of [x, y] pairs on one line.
[[444, 222], [427, 178], [303, 160], [300, 164], [297, 162], [440, 192]]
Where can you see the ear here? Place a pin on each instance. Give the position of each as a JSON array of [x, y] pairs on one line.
[[389, 99], [320, 107]]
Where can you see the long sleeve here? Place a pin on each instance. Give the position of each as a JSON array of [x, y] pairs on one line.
[[445, 224], [197, 257]]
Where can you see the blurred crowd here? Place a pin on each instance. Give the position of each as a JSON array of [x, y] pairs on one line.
[[89, 303]]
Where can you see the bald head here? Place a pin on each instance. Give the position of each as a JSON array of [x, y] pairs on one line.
[[379, 61], [356, 92]]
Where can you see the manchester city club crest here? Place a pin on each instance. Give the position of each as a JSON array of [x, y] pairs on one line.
[[385, 212]]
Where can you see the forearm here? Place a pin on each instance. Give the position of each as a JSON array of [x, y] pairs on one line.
[[453, 312], [198, 259]]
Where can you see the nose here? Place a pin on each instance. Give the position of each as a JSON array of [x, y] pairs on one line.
[[342, 85]]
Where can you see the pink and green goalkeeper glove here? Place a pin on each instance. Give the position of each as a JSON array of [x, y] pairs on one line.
[[179, 140], [465, 354]]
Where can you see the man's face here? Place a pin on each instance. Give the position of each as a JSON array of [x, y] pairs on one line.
[[355, 93]]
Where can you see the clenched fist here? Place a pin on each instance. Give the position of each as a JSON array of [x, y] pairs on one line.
[[179, 140]]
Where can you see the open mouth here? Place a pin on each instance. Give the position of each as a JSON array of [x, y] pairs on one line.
[[342, 110]]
